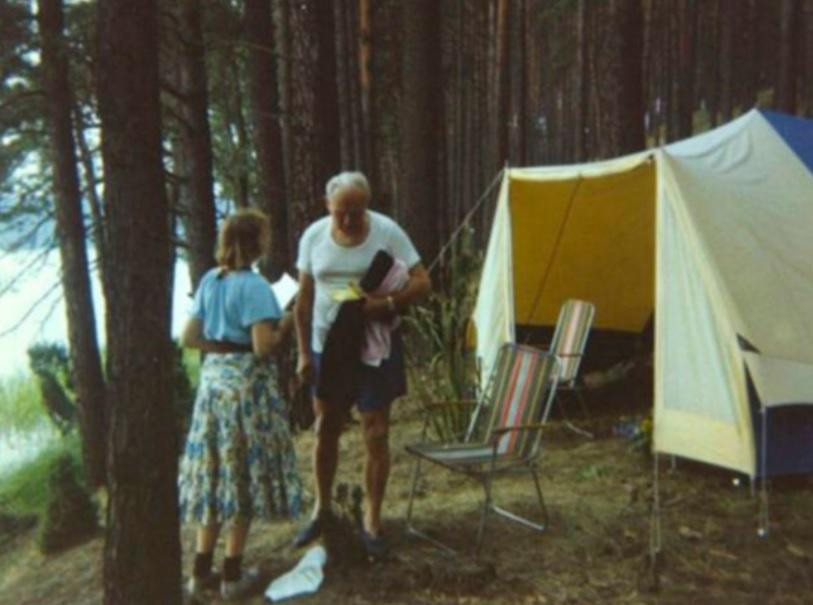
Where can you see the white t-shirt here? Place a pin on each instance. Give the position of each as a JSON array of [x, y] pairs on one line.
[[334, 266]]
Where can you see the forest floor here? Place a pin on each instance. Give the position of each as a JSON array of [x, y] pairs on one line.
[[598, 493]]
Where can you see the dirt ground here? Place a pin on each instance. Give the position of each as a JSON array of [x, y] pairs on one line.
[[598, 492]]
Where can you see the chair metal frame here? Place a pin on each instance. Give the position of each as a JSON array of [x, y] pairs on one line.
[[571, 383], [481, 460]]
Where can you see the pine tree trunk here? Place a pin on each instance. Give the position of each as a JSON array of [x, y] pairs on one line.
[[197, 191], [726, 17], [81, 318], [365, 82], [142, 549], [807, 39], [314, 117], [582, 80], [502, 79], [788, 56], [518, 118], [631, 97], [265, 109], [420, 125], [685, 81]]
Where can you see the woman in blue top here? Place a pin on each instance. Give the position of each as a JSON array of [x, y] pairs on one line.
[[239, 462]]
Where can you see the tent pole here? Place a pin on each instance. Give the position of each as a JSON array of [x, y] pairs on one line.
[[497, 179], [764, 512], [655, 524]]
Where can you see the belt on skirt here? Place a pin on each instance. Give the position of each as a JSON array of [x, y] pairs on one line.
[[224, 346]]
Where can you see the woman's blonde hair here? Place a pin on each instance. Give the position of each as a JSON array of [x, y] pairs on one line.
[[244, 237]]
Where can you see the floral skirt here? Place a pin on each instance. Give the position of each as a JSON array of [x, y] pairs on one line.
[[239, 462]]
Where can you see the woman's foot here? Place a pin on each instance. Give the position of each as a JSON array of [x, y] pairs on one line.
[[247, 584]]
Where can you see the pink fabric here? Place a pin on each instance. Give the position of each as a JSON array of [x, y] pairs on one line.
[[377, 342]]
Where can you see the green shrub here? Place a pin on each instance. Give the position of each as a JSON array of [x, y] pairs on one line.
[[51, 365], [20, 405], [443, 366], [70, 514], [183, 389], [25, 490]]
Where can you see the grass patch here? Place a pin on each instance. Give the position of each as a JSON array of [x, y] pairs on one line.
[[191, 363], [20, 402], [25, 490]]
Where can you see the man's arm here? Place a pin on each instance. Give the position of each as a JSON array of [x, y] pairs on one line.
[[303, 316], [416, 289]]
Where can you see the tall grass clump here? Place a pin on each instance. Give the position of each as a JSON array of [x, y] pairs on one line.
[[70, 515], [20, 405], [442, 365], [24, 491]]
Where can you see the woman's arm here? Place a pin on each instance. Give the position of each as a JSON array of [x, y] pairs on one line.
[[268, 336], [192, 334]]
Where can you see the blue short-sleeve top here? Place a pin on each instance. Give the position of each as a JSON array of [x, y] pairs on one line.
[[229, 303]]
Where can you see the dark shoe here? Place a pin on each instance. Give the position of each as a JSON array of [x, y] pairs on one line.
[[197, 585], [250, 580], [314, 529], [376, 546]]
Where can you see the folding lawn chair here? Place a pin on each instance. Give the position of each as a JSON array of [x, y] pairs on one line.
[[504, 435], [568, 344]]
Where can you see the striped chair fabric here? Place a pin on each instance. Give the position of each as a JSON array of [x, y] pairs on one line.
[[519, 393], [570, 337]]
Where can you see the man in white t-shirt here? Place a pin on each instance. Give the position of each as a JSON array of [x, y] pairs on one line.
[[335, 251]]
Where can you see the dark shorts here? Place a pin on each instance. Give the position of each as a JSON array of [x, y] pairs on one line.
[[381, 385]]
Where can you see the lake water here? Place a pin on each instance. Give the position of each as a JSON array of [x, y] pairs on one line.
[[32, 310], [17, 448]]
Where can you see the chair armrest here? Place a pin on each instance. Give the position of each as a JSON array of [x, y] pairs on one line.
[[499, 432], [436, 405]]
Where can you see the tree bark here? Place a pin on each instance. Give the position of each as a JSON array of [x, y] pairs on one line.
[[790, 19], [502, 79], [265, 109], [582, 79], [630, 96], [197, 191], [687, 40], [420, 124], [726, 20], [314, 118], [807, 40], [142, 549], [81, 318]]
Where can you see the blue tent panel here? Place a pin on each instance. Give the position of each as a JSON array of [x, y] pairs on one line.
[[790, 436], [796, 132]]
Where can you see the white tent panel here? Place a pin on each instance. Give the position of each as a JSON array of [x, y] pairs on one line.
[[780, 381], [494, 309], [751, 200], [700, 401]]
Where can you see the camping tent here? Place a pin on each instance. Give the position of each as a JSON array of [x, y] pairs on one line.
[[715, 235]]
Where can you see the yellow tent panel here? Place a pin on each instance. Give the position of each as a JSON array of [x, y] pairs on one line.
[[588, 238]]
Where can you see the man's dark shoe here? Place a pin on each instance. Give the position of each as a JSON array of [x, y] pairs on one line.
[[376, 546], [314, 529]]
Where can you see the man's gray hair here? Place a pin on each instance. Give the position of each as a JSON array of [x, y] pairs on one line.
[[348, 180]]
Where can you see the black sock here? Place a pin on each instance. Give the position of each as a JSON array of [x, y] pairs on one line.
[[231, 568], [203, 564]]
